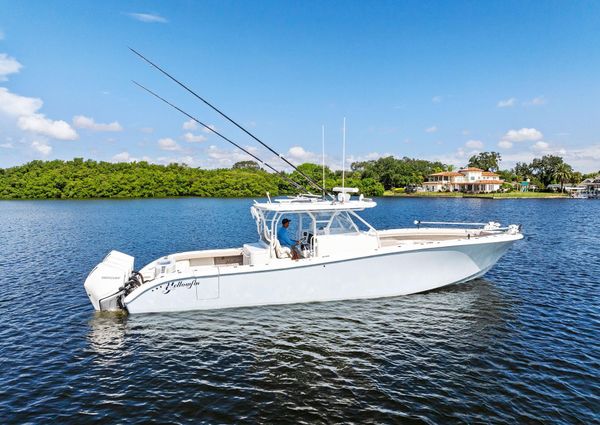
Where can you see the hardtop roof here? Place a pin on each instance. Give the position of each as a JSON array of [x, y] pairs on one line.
[[308, 204]]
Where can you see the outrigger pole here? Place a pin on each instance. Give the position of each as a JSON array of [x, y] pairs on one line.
[[281, 173], [308, 179]]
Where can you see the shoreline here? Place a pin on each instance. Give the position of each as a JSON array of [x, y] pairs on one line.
[[525, 195], [385, 195]]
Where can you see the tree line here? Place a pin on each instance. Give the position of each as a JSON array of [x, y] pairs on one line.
[[79, 178]]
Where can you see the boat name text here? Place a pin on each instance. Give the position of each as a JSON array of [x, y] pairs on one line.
[[188, 284]]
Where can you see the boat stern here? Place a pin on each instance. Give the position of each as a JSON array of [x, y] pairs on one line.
[[105, 285]]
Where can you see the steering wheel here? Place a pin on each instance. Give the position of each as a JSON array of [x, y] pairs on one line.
[[304, 239]]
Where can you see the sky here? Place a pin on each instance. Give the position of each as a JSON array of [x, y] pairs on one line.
[[425, 79]]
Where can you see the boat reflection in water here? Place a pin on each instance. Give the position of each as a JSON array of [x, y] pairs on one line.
[[107, 332], [317, 360]]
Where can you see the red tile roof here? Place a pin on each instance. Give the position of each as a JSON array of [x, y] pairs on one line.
[[471, 169], [473, 182], [447, 174]]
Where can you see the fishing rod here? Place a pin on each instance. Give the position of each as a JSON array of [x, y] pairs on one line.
[[281, 173], [311, 181]]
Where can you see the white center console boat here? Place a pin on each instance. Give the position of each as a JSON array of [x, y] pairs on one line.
[[341, 257]]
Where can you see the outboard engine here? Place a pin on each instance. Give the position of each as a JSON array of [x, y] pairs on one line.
[[106, 283]]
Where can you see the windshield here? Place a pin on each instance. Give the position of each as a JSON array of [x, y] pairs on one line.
[[336, 222], [304, 225], [342, 223]]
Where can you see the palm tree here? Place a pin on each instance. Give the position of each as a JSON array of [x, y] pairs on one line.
[[563, 173]]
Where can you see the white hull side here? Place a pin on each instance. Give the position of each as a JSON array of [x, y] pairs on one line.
[[394, 273]]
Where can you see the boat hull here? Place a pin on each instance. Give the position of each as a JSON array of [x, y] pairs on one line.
[[385, 273]]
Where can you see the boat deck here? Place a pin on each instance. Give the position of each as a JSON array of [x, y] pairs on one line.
[[400, 238]]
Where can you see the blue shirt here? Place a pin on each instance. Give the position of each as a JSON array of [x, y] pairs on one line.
[[284, 238]]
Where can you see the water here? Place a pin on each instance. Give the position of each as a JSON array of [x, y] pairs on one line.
[[521, 345]]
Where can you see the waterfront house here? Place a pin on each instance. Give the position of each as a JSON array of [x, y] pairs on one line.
[[557, 187], [473, 180], [591, 187]]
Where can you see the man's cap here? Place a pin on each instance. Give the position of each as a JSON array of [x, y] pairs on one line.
[[285, 220]]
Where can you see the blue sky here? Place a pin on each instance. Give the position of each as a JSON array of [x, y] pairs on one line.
[[434, 80]]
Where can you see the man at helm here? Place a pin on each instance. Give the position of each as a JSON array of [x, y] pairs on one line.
[[285, 241]]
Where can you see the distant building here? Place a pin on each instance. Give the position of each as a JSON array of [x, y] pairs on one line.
[[557, 187], [473, 180], [591, 187]]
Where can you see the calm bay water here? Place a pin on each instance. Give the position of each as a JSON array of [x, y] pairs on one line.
[[520, 345]]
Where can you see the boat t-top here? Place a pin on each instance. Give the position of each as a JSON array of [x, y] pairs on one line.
[[338, 256]]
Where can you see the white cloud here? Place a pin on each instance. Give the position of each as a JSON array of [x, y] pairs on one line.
[[15, 105], [437, 99], [431, 129], [126, 157], [39, 124], [505, 144], [8, 65], [536, 101], [190, 125], [336, 164], [458, 158], [370, 156], [466, 132], [586, 159], [168, 144], [523, 135], [121, 157], [589, 152], [150, 18], [41, 147], [28, 119], [215, 157], [219, 158], [582, 159], [7, 145], [474, 144], [507, 103], [147, 130], [188, 160], [81, 121], [226, 158], [206, 130], [299, 154], [540, 146], [194, 138]]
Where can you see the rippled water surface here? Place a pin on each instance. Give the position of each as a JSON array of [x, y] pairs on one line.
[[520, 345]]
